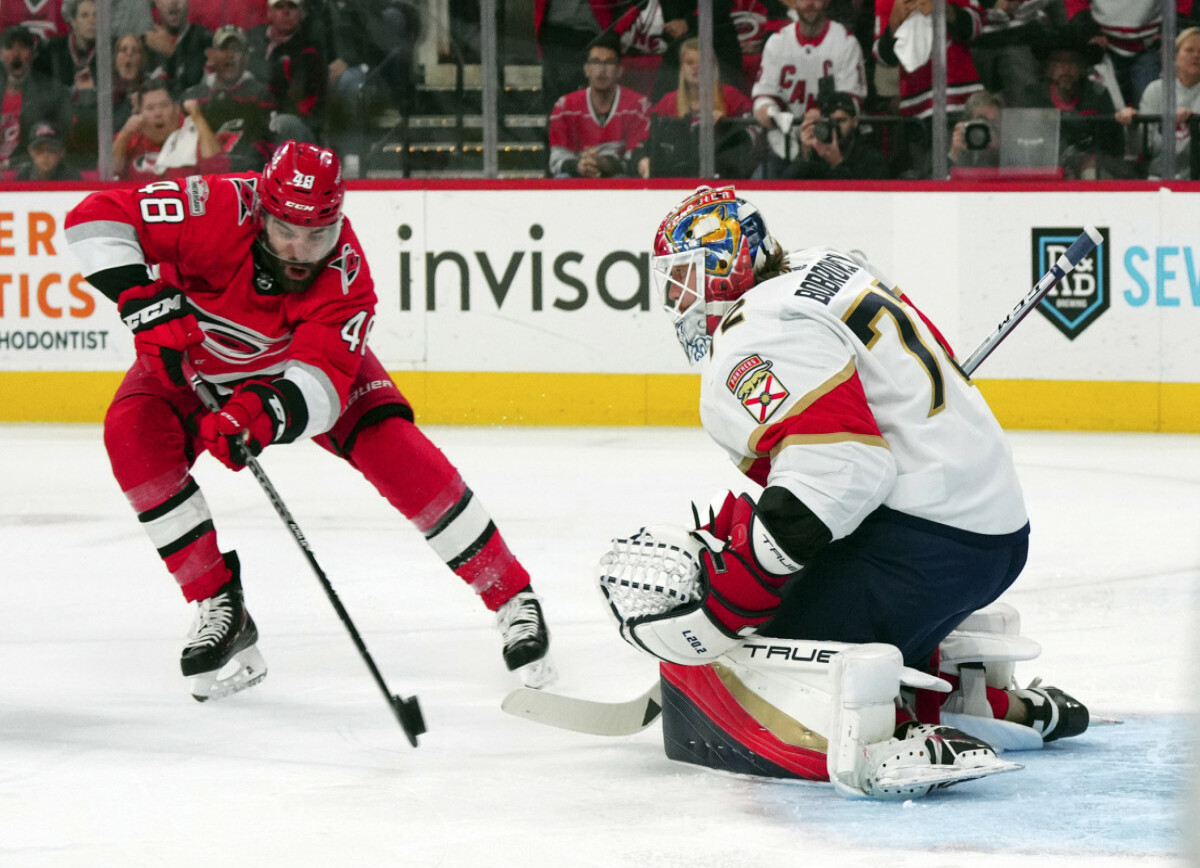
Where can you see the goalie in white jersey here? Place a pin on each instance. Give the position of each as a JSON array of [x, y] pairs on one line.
[[890, 514]]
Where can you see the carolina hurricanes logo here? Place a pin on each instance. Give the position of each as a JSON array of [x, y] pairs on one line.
[[348, 264], [247, 193]]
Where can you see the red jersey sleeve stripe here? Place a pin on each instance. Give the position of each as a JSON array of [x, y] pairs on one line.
[[835, 411]]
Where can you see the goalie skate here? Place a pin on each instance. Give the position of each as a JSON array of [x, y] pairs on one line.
[[221, 656], [526, 639], [923, 758]]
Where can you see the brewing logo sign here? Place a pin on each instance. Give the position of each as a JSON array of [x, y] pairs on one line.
[[1084, 294]]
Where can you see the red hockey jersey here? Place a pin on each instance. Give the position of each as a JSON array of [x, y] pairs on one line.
[[916, 87], [198, 234], [43, 18]]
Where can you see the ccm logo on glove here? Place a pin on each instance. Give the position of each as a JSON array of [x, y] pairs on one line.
[[163, 328]]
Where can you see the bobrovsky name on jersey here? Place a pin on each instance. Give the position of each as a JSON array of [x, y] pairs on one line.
[[563, 280]]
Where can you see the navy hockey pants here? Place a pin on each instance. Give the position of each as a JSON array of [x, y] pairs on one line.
[[901, 580]]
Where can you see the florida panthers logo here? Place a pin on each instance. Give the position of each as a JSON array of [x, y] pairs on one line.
[[348, 263], [757, 387], [247, 193]]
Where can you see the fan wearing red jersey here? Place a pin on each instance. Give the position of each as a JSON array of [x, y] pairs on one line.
[[259, 282], [890, 508]]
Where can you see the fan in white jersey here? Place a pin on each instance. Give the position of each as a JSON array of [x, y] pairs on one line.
[[890, 508], [794, 61]]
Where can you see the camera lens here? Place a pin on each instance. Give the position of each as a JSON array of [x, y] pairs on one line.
[[823, 130], [978, 135]]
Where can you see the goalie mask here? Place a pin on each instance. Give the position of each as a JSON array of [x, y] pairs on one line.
[[301, 198], [707, 253]]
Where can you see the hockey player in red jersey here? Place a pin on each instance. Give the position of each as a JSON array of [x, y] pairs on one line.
[[260, 284], [889, 522]]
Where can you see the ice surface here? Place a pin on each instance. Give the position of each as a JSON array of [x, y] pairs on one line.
[[105, 760]]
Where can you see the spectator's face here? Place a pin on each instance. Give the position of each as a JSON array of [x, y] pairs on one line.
[[810, 11], [602, 68], [46, 156], [128, 57], [83, 25], [689, 63], [16, 59], [1187, 57], [228, 62], [1064, 69], [284, 17], [846, 124], [173, 13], [160, 116]]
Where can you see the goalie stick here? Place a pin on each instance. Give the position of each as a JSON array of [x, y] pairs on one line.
[[407, 711], [634, 715]]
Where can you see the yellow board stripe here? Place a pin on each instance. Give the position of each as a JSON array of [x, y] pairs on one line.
[[454, 398]]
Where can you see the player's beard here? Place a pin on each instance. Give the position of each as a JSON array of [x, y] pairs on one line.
[[289, 276]]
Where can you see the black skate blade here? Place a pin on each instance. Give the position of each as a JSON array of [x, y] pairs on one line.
[[408, 712]]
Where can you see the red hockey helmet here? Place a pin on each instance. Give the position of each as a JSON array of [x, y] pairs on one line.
[[303, 185], [301, 194]]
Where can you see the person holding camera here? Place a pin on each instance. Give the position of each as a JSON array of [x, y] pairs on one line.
[[831, 147], [973, 142]]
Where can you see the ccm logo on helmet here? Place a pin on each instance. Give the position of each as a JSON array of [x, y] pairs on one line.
[[300, 206]]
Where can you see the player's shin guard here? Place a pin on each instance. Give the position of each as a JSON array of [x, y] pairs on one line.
[[181, 528], [982, 653]]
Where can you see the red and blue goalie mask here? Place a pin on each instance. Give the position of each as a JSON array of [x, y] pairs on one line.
[[706, 254]]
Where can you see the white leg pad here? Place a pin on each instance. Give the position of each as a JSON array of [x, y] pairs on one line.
[[866, 680], [991, 636]]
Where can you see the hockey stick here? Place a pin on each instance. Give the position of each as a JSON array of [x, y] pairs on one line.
[[585, 715], [634, 715], [1080, 247], [407, 711]]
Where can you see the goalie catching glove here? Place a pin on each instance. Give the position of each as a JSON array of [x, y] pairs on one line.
[[163, 328], [255, 416], [688, 597]]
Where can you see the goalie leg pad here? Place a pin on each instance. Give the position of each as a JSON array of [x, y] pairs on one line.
[[705, 723]]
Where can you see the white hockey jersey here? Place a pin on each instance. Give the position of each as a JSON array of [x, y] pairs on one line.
[[828, 382], [793, 65]]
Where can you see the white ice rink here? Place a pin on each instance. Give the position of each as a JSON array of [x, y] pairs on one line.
[[105, 760]]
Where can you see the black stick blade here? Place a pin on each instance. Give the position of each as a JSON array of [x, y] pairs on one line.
[[408, 712]]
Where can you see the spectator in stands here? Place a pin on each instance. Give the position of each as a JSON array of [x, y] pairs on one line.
[[1187, 103], [904, 38], [28, 97], [1130, 32], [831, 147], [235, 104], [1002, 53], [71, 60], [564, 29], [178, 49], [736, 145], [42, 18], [1094, 148], [129, 73], [374, 47], [598, 132], [46, 157], [975, 140], [293, 68], [137, 145], [794, 61], [680, 23], [214, 14]]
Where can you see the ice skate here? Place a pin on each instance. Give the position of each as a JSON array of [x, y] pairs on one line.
[[922, 758], [220, 656], [526, 639], [1052, 713]]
